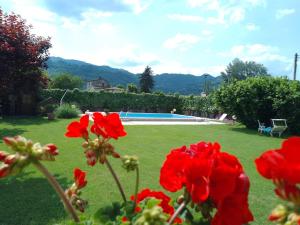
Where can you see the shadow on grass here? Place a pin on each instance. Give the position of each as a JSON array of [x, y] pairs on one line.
[[5, 132], [255, 132], [30, 200], [26, 120]]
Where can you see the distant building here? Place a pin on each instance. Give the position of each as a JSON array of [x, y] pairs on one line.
[[98, 84], [101, 84]]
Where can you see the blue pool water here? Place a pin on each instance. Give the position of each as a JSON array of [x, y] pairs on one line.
[[153, 115]]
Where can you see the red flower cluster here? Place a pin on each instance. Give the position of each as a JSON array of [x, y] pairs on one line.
[[164, 204], [283, 167], [109, 126], [79, 129], [79, 177], [7, 163], [209, 174]]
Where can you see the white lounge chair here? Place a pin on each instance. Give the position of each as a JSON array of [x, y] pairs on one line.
[[261, 127], [222, 117], [278, 126]]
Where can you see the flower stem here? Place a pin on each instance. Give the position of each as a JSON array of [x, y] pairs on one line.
[[58, 190], [177, 212], [137, 181], [116, 180]]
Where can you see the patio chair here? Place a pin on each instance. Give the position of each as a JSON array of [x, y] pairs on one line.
[[222, 117], [261, 127], [278, 126]]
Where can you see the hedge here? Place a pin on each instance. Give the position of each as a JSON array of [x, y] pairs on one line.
[[144, 102]]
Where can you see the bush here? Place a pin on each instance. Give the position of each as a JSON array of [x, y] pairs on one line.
[[67, 111], [262, 98], [144, 102]]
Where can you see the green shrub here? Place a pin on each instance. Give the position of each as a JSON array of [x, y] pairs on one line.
[[144, 102], [67, 111], [262, 98]]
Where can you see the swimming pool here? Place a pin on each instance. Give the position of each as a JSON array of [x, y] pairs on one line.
[[159, 116]]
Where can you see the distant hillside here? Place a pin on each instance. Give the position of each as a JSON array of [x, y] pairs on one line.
[[184, 83], [168, 83], [89, 71]]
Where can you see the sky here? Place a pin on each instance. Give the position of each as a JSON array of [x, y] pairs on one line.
[[171, 36]]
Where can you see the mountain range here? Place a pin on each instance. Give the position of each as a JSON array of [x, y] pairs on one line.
[[167, 82]]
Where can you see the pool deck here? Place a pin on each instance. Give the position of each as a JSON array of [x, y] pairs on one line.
[[171, 123], [168, 121]]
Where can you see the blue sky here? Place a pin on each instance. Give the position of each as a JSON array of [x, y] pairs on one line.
[[175, 36]]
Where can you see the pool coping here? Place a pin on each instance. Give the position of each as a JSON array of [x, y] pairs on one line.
[[167, 121]]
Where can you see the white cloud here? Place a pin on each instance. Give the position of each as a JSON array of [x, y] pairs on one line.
[[270, 56], [255, 52], [208, 4], [236, 14], [284, 12], [181, 41], [138, 6], [186, 18], [178, 67], [228, 12], [257, 2], [252, 27]]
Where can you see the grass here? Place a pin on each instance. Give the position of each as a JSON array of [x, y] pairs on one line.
[[28, 198]]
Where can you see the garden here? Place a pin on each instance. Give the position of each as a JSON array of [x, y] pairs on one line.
[[92, 170], [28, 198]]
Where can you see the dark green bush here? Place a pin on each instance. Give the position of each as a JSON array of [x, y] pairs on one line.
[[262, 98], [144, 102], [67, 111]]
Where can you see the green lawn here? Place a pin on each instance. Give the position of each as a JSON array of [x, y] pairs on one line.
[[28, 198]]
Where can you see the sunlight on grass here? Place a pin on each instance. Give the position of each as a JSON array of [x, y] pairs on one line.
[[28, 198]]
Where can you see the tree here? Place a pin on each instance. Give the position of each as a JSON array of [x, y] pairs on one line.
[[132, 88], [240, 70], [66, 81], [22, 57], [146, 80]]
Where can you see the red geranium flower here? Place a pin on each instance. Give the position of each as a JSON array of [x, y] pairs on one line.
[[283, 167], [109, 126], [52, 149], [164, 204], [234, 209], [79, 129], [79, 177], [209, 174]]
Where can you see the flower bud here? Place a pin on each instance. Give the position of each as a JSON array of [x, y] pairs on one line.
[[51, 149], [279, 213], [85, 144], [130, 163], [153, 215], [4, 170], [180, 199], [3, 155], [102, 158], [9, 141]]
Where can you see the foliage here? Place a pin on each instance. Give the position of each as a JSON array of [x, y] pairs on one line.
[[132, 88], [67, 111], [22, 55], [201, 106], [239, 70], [116, 101], [146, 80], [66, 81], [262, 98]]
